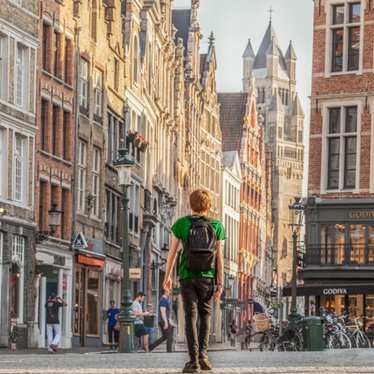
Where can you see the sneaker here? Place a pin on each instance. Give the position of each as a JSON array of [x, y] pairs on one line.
[[54, 347], [191, 367]]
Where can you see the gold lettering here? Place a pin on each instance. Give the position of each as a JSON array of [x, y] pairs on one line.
[[361, 214]]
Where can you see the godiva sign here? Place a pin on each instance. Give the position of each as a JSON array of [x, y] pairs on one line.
[[361, 214]]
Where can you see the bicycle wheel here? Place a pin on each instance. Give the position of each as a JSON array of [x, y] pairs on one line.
[[266, 343], [361, 340], [339, 340]]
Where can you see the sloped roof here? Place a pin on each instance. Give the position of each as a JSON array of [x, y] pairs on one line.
[[232, 112], [291, 54], [182, 20], [269, 42], [248, 52]]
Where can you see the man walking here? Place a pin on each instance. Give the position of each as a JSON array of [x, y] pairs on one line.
[[53, 322], [200, 274], [164, 323]]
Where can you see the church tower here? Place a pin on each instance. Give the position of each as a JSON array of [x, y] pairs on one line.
[[279, 104]]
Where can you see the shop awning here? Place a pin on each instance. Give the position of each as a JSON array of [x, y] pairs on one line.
[[331, 290], [90, 261]]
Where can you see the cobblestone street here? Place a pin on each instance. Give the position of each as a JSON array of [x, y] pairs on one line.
[[352, 361]]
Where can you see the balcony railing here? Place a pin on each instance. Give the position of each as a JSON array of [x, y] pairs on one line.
[[339, 255]]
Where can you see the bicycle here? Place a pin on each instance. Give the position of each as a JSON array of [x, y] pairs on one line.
[[358, 336]]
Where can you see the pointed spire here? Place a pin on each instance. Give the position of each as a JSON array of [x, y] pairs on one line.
[[211, 39], [276, 103], [273, 48], [252, 83], [248, 52], [297, 109], [291, 54]]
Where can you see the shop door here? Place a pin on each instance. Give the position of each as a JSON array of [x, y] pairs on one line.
[[87, 304]]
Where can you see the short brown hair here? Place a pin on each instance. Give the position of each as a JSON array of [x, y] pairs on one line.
[[200, 201]]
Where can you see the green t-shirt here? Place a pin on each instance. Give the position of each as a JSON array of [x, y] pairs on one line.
[[180, 230]]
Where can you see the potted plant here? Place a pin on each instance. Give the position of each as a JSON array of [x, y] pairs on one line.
[[139, 139], [143, 147], [131, 135], [13, 337]]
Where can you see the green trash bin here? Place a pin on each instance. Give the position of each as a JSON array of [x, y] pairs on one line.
[[313, 334]]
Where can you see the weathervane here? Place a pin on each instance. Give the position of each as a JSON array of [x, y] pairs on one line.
[[271, 11]]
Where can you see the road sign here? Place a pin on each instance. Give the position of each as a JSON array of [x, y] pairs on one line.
[[135, 273], [80, 242]]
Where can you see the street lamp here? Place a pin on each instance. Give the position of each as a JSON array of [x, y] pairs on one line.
[[123, 166], [297, 208]]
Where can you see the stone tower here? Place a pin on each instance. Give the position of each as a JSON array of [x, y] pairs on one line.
[[278, 102]]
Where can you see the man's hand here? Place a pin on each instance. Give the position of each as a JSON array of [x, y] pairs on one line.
[[217, 294], [166, 325], [168, 284]]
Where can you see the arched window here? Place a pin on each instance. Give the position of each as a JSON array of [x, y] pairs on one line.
[[284, 248], [135, 70]]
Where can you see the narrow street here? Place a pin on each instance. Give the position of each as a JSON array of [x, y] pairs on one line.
[[352, 361]]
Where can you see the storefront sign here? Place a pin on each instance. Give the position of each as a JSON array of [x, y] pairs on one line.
[[362, 214], [44, 258], [334, 291], [135, 273], [90, 261]]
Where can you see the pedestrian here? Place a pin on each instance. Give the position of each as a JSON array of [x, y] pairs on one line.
[[248, 334], [113, 325], [52, 306], [137, 310], [165, 324], [233, 330], [200, 274]]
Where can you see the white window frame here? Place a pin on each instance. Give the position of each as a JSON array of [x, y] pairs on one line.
[[99, 93], [82, 177], [21, 76], [83, 83], [325, 151], [4, 74], [96, 166], [18, 256], [346, 25], [20, 161]]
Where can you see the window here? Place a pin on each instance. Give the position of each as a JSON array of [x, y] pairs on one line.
[[96, 181], [21, 86], [83, 84], [112, 216], [82, 175], [66, 136], [3, 161], [98, 93], [114, 131], [345, 35], [16, 277], [20, 169], [135, 68], [260, 95], [44, 124], [116, 74], [45, 45], [150, 68], [3, 66], [43, 215], [54, 128], [342, 148], [134, 208], [57, 54], [94, 21]]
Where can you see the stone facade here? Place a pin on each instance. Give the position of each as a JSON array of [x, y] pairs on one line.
[[280, 106], [18, 61]]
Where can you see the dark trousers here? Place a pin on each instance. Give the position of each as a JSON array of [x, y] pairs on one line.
[[167, 335], [111, 332], [197, 303]]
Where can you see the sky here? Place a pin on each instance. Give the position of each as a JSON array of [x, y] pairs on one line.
[[235, 21]]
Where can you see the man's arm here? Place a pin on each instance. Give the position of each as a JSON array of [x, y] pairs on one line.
[[164, 318], [170, 262], [219, 269]]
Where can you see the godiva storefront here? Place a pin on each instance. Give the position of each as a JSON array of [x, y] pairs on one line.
[[339, 261]]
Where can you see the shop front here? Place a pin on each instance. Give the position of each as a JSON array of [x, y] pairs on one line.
[[54, 276], [112, 289], [339, 262], [87, 313]]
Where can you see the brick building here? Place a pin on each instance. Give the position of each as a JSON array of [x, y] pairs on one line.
[[54, 162], [18, 59], [339, 213], [241, 132]]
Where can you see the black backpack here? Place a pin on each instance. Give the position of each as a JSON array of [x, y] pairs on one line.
[[201, 245]]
